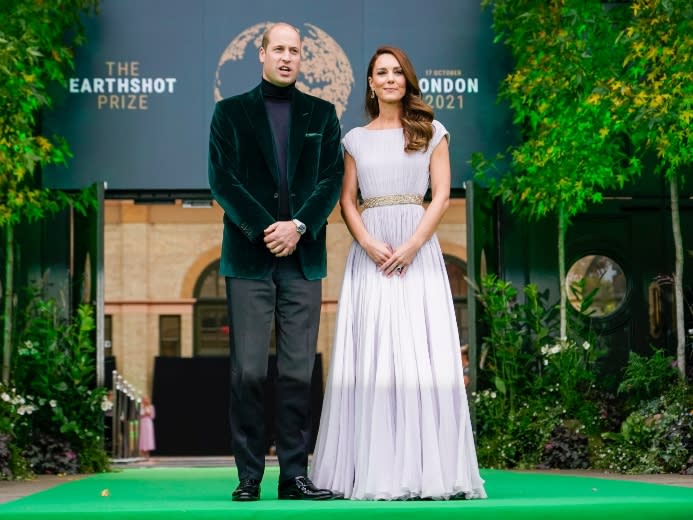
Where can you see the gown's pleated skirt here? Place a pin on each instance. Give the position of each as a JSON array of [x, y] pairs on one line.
[[395, 421]]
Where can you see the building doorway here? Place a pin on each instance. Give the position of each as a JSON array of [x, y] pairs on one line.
[[211, 329]]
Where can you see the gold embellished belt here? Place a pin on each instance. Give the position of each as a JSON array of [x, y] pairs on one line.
[[391, 200]]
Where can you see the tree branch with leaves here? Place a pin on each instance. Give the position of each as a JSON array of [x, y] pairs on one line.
[[572, 146], [37, 39], [655, 96]]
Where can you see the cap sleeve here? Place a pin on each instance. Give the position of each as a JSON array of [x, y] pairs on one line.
[[348, 142], [439, 131]]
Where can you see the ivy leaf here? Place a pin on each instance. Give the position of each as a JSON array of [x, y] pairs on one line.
[[500, 385]]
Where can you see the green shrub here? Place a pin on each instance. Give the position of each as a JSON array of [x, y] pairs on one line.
[[15, 415], [540, 402], [657, 434], [55, 363], [647, 377]]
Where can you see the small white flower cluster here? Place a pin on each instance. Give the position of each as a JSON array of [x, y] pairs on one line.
[[483, 395], [27, 348], [561, 345], [26, 409], [550, 350], [106, 404], [22, 405], [553, 388]]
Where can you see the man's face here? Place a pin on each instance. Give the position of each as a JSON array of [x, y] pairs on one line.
[[281, 60]]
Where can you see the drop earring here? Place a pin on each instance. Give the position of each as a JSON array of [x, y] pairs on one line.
[[372, 94]]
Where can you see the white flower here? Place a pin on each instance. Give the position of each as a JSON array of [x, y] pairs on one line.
[[25, 409], [28, 344], [556, 349], [586, 345], [5, 397], [546, 362], [493, 395], [53, 403], [106, 404]]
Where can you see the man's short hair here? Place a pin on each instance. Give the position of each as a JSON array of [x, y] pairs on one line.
[[265, 37]]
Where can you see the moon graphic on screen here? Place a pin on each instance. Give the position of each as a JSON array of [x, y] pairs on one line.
[[325, 68]]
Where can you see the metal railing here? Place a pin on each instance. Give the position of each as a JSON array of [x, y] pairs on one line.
[[124, 419]]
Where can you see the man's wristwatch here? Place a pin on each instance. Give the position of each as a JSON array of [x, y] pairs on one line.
[[300, 226]]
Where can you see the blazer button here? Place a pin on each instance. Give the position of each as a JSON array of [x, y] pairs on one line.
[[276, 195]]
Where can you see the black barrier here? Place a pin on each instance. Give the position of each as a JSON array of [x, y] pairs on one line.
[[191, 396]]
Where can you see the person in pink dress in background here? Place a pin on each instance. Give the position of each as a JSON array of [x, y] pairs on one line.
[[147, 414]]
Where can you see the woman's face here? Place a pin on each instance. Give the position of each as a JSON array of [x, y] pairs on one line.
[[387, 80]]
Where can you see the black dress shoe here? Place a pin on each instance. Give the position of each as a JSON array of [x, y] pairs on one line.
[[301, 488], [248, 490]]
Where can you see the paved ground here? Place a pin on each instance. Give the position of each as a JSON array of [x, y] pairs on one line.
[[12, 490], [667, 479]]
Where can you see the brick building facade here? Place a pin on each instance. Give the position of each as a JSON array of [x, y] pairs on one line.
[[159, 267]]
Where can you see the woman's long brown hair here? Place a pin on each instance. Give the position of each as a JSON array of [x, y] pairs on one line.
[[416, 115]]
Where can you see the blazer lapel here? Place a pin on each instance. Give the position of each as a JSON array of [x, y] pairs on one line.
[[257, 116], [301, 112]]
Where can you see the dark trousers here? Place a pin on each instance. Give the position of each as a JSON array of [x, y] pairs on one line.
[[294, 304]]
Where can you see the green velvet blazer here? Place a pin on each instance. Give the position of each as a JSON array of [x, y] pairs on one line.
[[244, 179]]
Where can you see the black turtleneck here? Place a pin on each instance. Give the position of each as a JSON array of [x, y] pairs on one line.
[[278, 105]]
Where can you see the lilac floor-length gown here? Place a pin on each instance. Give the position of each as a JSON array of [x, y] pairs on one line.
[[395, 421]]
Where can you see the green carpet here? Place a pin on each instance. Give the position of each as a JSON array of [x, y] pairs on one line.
[[173, 493]]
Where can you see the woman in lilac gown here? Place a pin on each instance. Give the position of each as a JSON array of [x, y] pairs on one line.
[[395, 422]]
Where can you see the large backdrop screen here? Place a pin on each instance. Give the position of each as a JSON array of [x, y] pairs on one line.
[[136, 112]]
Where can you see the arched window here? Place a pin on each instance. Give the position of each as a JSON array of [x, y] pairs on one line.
[[457, 271], [210, 315]]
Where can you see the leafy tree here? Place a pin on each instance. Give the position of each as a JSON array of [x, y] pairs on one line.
[[36, 42], [572, 147], [655, 97]]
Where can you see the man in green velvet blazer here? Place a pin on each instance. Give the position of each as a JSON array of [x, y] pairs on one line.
[[275, 168]]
